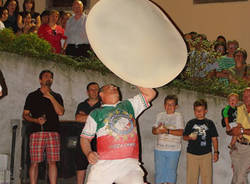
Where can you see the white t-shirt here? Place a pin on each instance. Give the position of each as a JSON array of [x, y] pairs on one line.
[[169, 142]]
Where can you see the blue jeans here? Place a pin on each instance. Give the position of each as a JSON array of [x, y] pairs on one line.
[[166, 163]]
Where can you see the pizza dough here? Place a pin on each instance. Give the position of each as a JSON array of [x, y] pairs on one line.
[[136, 41]]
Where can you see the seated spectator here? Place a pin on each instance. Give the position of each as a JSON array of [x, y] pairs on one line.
[[29, 7], [13, 10], [45, 17], [3, 17], [226, 62], [28, 26], [52, 32], [241, 70]]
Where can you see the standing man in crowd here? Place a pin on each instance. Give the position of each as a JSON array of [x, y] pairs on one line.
[[240, 155], [116, 159], [41, 109], [3, 86], [77, 43], [82, 112]]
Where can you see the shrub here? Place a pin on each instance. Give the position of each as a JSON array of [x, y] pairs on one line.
[[31, 45]]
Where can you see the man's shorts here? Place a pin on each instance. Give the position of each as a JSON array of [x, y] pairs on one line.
[[44, 141], [124, 171], [166, 163]]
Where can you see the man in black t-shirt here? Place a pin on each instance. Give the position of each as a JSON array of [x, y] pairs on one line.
[[82, 112], [41, 109], [200, 133]]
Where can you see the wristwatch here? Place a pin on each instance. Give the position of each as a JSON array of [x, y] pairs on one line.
[[241, 131], [217, 152]]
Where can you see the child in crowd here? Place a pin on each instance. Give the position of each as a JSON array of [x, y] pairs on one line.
[[200, 133], [229, 114], [169, 129]]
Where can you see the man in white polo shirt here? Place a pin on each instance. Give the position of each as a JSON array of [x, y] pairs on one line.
[[77, 43]]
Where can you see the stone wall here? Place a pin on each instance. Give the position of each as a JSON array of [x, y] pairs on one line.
[[22, 77]]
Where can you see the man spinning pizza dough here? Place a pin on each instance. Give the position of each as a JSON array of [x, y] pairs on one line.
[[116, 159]]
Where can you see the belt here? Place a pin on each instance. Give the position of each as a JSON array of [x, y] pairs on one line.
[[244, 143]]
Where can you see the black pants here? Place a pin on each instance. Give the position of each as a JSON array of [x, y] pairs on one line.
[[77, 50]]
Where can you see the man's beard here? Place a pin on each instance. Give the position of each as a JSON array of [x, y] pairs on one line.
[[48, 83]]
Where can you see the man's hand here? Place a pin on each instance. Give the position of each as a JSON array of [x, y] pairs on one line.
[[81, 117], [193, 136], [236, 131], [41, 120], [216, 157], [46, 94], [228, 128], [161, 129], [93, 157]]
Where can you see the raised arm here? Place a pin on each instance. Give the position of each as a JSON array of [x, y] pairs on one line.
[[148, 93]]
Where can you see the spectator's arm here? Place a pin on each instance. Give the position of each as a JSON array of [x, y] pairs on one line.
[[27, 117], [81, 117], [216, 151], [176, 132], [38, 22], [57, 106], [159, 130], [188, 138], [20, 22]]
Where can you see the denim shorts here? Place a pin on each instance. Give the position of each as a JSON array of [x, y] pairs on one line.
[[166, 163]]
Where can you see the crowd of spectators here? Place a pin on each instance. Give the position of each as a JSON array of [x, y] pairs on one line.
[[219, 59], [49, 25], [65, 31]]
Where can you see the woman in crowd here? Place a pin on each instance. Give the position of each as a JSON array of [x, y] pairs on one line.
[[29, 7], [222, 39], [13, 10], [52, 32], [3, 17], [64, 17], [28, 26], [241, 71]]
